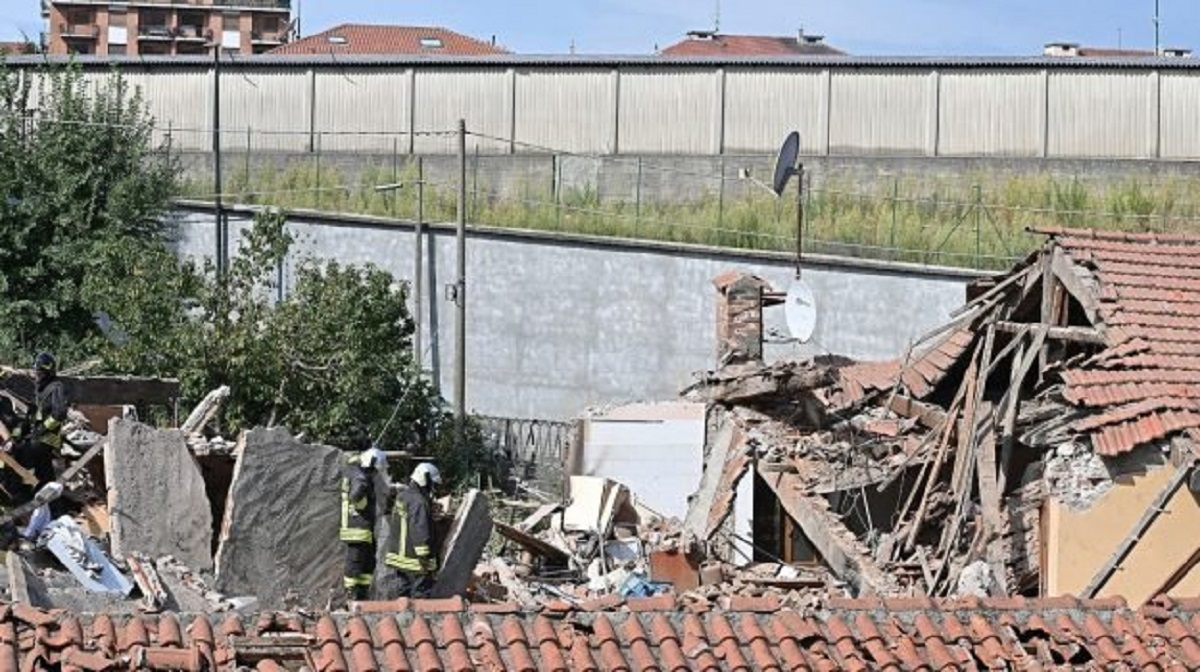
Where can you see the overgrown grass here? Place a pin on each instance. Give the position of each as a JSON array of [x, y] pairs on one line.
[[954, 222]]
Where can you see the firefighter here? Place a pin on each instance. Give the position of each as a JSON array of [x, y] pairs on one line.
[[411, 549], [358, 519], [38, 439]]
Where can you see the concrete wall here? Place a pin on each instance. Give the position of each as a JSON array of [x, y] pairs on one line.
[[557, 323]]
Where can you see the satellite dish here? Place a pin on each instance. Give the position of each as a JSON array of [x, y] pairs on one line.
[[800, 308], [785, 164]]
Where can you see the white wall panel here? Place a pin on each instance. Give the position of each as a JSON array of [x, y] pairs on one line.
[[1181, 115], [1101, 114], [669, 111], [763, 106], [363, 109], [568, 110], [990, 113], [481, 97], [880, 112], [272, 103], [181, 106]]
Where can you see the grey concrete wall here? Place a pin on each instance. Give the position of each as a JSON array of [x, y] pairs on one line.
[[558, 323]]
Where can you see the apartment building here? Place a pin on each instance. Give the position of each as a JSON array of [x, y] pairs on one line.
[[165, 27]]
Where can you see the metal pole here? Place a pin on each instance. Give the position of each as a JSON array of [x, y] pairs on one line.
[[222, 249], [1157, 26], [799, 218], [460, 294], [419, 263]]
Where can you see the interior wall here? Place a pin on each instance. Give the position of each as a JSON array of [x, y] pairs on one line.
[[1079, 543]]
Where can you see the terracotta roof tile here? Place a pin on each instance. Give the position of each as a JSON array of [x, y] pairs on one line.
[[857, 635], [352, 38], [747, 45]]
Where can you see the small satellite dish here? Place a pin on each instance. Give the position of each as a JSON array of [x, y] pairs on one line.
[[800, 309], [785, 163]]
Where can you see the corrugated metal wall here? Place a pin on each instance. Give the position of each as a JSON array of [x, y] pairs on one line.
[[265, 108], [885, 112], [1180, 100], [669, 111], [961, 111], [363, 110], [996, 113], [483, 97], [1101, 114], [762, 107], [568, 110]]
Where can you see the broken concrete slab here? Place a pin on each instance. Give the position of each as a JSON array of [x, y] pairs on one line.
[[84, 559], [156, 497], [280, 530], [723, 446], [24, 585], [464, 545]]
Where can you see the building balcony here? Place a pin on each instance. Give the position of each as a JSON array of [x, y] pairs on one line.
[[153, 32], [193, 34], [267, 37], [85, 31], [281, 5]]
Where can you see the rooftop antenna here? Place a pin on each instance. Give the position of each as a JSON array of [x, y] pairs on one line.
[[717, 18], [800, 306]]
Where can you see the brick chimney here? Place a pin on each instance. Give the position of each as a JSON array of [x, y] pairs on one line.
[[739, 318]]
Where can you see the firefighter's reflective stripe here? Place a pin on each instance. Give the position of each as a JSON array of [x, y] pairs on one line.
[[349, 532], [358, 580], [396, 558]]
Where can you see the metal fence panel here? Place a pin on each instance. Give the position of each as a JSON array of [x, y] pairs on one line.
[[568, 110], [763, 106], [879, 112], [1101, 114], [1180, 129], [359, 109], [272, 99], [482, 97], [669, 111], [992, 113]]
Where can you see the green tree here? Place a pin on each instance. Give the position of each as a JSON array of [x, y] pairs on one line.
[[80, 176]]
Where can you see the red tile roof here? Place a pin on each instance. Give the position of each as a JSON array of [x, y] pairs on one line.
[[12, 48], [1147, 381], [351, 38], [748, 45], [900, 634]]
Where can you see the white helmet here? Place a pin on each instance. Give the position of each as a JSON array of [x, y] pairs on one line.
[[373, 457], [425, 475]]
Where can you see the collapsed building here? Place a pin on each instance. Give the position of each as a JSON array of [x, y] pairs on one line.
[[996, 498], [1040, 443]]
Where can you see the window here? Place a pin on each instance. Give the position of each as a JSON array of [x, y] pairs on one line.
[[116, 50], [117, 35], [431, 42], [337, 39]]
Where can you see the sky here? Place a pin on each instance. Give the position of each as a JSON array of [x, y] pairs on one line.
[[864, 27]]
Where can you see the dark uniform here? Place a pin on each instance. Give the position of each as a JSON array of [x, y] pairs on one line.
[[358, 528], [410, 545]]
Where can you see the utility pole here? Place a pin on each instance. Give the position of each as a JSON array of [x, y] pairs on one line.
[[1157, 30], [460, 295], [222, 247]]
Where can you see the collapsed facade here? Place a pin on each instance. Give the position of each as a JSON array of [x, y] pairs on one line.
[[1040, 443]]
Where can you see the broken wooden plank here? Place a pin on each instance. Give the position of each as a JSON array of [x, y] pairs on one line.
[[154, 596], [1152, 512], [464, 545], [531, 543], [1079, 283], [535, 518], [1012, 400], [835, 543], [205, 410], [929, 415], [1084, 335]]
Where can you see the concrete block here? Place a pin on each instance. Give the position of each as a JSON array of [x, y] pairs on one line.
[[279, 537], [464, 545], [156, 497]]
